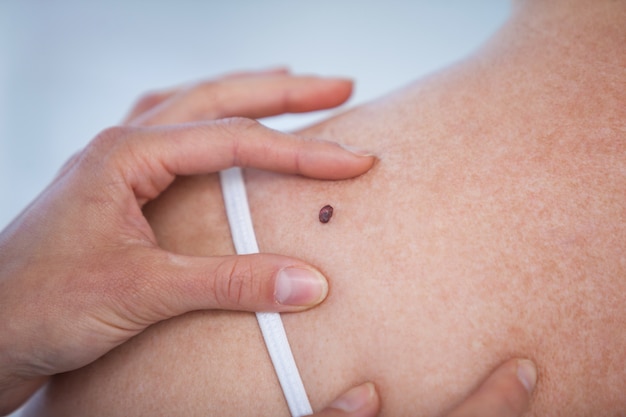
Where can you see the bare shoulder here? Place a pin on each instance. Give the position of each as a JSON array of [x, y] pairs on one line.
[[492, 226]]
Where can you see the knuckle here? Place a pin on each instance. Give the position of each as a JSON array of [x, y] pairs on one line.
[[234, 279], [237, 129], [111, 140], [112, 134], [106, 155], [239, 123], [108, 140], [96, 154], [148, 100]]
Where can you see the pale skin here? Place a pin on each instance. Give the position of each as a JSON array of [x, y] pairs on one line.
[[492, 226], [81, 268], [516, 218]]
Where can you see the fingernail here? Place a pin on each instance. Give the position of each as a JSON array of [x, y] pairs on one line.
[[356, 150], [527, 374], [355, 398], [300, 287]]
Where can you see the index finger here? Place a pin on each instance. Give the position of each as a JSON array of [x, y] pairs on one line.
[[149, 158]]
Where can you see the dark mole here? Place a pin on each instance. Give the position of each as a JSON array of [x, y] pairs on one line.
[[326, 213]]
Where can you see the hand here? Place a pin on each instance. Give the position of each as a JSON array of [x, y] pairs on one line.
[[505, 393], [80, 269]]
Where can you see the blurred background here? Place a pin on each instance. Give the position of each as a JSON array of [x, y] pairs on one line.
[[70, 68]]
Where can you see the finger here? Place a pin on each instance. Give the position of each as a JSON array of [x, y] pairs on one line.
[[149, 158], [155, 98], [166, 285], [257, 73], [506, 393], [361, 401], [149, 101], [255, 96]]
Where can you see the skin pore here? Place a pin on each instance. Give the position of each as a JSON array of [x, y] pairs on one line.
[[492, 226]]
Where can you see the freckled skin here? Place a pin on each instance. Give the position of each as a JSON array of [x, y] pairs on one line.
[[326, 213], [493, 226]]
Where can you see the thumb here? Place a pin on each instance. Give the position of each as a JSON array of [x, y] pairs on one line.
[[360, 401], [259, 282], [505, 393]]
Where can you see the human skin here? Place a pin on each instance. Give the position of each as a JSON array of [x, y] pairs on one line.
[[498, 196], [93, 283], [80, 269]]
